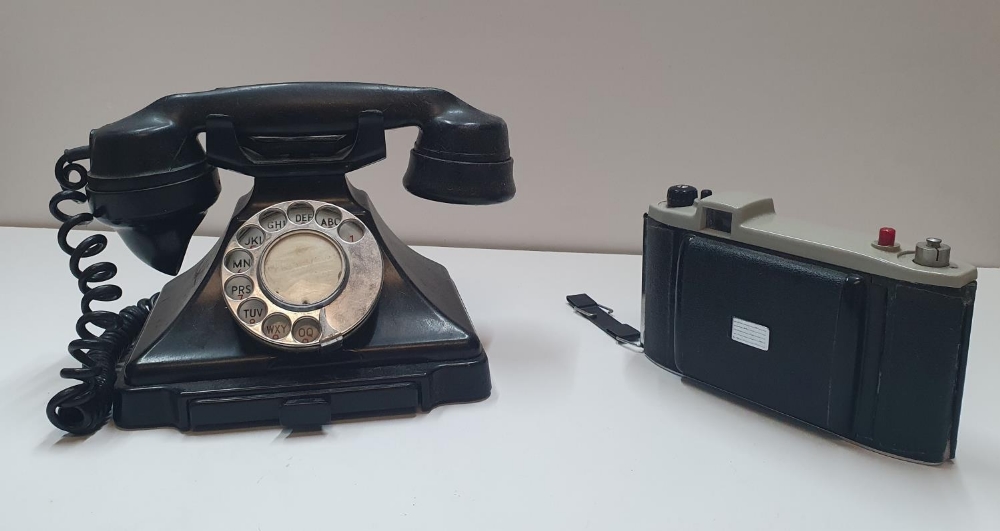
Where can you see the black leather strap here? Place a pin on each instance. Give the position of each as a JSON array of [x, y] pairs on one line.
[[601, 317]]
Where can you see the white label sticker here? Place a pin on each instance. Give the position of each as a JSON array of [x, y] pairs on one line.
[[751, 334]]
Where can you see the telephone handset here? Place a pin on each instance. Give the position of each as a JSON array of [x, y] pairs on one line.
[[309, 308]]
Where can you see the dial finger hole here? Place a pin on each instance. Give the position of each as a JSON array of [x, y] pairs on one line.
[[251, 311], [351, 231], [306, 330], [239, 261], [300, 213], [273, 220], [251, 237], [276, 326], [239, 287], [328, 217]]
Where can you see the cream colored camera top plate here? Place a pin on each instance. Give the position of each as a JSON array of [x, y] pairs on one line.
[[754, 222]]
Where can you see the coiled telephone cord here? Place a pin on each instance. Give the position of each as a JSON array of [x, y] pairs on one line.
[[83, 408]]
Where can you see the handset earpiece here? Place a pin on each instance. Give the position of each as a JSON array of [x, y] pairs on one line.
[[461, 156], [463, 182]]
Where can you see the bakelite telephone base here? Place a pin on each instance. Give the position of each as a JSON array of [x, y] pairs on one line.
[[193, 368]]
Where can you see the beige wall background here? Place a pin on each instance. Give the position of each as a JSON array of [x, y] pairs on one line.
[[851, 113]]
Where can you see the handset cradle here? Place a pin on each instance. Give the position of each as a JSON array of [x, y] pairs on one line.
[[367, 145]]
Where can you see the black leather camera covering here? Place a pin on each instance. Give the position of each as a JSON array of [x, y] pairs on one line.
[[814, 315]]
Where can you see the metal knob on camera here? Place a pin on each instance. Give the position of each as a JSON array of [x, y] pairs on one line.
[[932, 253]]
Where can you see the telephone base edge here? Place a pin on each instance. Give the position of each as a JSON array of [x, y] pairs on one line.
[[255, 401]]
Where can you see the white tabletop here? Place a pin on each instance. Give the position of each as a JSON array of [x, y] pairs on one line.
[[578, 434]]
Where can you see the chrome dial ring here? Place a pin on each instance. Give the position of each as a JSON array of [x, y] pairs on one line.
[[301, 274]]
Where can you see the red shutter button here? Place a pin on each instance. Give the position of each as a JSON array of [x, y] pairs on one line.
[[887, 236], [886, 239]]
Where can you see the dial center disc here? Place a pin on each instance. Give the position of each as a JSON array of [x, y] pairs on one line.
[[302, 269]]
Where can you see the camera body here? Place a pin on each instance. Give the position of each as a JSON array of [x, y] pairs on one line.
[[854, 335]]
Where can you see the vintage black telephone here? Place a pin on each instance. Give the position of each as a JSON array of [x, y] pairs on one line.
[[309, 308]]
